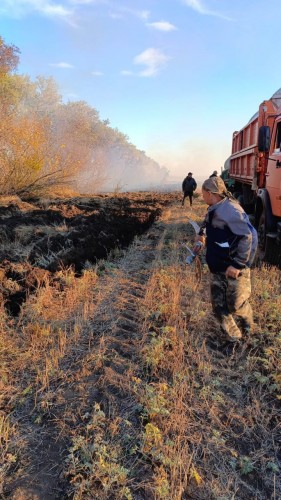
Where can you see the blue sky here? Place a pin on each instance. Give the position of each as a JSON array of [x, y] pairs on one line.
[[176, 76]]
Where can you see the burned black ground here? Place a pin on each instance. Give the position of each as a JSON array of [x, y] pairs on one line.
[[40, 237]]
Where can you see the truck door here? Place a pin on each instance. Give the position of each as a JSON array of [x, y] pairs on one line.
[[273, 175]]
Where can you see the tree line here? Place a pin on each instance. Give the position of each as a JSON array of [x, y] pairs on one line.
[[46, 143]]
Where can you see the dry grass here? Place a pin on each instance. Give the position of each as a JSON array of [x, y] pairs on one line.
[[223, 412], [118, 364]]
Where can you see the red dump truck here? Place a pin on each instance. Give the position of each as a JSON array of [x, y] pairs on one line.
[[255, 174]]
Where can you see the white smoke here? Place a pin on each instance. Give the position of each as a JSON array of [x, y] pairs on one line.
[[115, 169]]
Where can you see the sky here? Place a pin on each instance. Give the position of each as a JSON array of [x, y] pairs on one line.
[[178, 77]]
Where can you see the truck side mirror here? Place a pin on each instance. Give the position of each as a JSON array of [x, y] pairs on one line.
[[264, 139]]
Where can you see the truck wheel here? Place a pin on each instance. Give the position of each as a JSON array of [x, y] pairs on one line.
[[268, 249], [240, 198], [273, 251], [236, 194], [262, 236]]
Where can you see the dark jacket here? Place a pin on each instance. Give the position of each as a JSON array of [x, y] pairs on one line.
[[189, 185], [231, 238]]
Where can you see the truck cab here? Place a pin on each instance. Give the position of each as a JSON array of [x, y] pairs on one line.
[[268, 203], [273, 174]]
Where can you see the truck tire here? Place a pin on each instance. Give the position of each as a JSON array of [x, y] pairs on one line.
[[236, 194], [268, 249], [261, 236], [273, 251], [240, 198]]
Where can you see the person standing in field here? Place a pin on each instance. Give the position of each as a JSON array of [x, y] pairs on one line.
[[188, 187], [231, 243]]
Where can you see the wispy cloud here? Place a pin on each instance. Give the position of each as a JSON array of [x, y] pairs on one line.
[[63, 65], [122, 11], [87, 2], [153, 60], [19, 8], [162, 26], [201, 9], [143, 14], [196, 5], [97, 73]]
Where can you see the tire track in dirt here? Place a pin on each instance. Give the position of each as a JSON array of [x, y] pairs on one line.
[[112, 335]]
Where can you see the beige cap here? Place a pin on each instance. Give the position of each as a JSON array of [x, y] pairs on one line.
[[215, 185]]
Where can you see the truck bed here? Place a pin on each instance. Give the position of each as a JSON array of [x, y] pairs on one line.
[[244, 150]]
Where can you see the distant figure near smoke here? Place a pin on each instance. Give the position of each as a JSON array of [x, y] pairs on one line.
[[188, 186]]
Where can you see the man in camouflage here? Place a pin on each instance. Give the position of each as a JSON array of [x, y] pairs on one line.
[[231, 243]]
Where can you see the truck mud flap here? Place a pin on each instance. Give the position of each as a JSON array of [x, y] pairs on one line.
[[272, 253]]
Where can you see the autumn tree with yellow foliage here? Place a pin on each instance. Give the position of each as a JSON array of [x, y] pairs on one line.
[[45, 143]]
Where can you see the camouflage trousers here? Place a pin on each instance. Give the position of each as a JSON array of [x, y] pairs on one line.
[[230, 297]]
